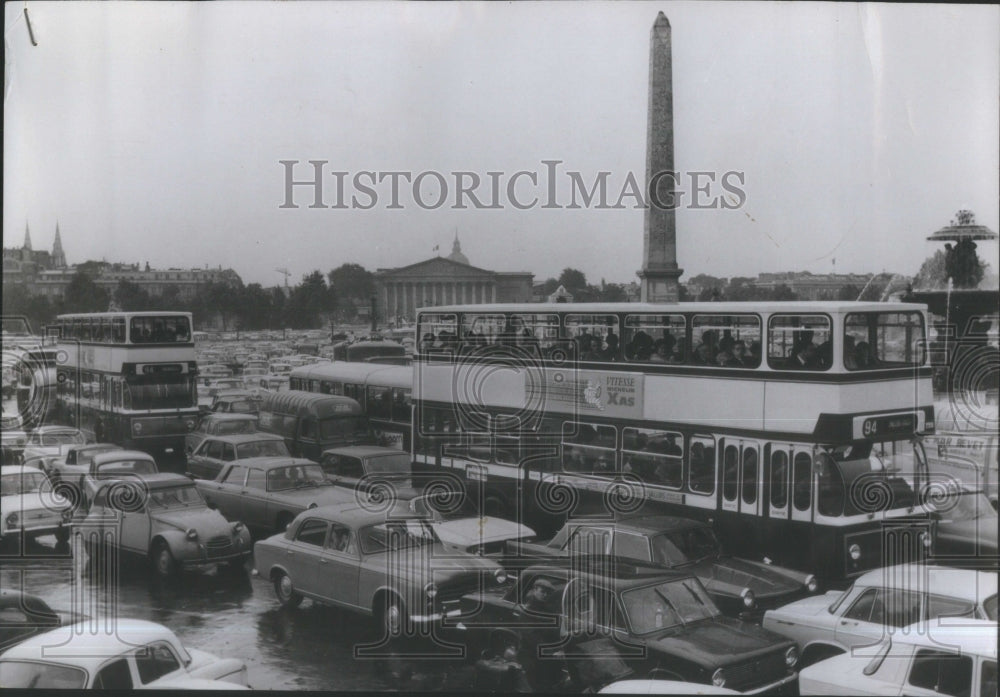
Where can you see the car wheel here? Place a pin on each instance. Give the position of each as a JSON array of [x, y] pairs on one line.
[[163, 561], [285, 591], [393, 618]]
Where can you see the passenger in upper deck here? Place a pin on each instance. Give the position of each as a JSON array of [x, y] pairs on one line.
[[610, 353], [662, 354], [640, 348], [427, 341]]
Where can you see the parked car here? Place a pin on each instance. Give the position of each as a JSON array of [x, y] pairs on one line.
[[163, 518], [879, 603], [113, 466], [24, 615], [215, 451], [12, 442], [207, 394], [663, 622], [739, 587], [219, 425], [45, 441], [392, 567], [30, 508], [959, 660], [136, 654], [461, 525], [266, 493], [360, 467]]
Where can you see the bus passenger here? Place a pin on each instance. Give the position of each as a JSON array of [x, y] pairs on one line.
[[611, 352], [427, 341], [740, 357], [662, 354]]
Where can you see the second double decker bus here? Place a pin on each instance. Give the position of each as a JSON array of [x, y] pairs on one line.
[[128, 378], [794, 427]]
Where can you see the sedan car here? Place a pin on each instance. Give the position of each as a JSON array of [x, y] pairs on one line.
[[73, 462], [361, 467], [265, 493], [30, 507], [219, 425], [114, 465], [163, 518], [461, 526], [392, 567], [740, 587], [137, 654], [879, 603], [215, 451], [23, 615], [663, 623], [45, 441], [957, 659]]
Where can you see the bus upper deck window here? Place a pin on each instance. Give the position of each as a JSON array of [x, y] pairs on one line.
[[874, 340], [436, 331], [728, 341], [118, 330], [655, 338], [596, 336], [799, 342]]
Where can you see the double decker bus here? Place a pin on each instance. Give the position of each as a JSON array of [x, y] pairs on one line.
[[128, 377], [384, 392], [795, 428]]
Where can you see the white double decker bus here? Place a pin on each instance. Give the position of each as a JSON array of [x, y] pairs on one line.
[[794, 427], [128, 378]]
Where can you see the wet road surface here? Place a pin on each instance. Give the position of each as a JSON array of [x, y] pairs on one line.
[[235, 615]]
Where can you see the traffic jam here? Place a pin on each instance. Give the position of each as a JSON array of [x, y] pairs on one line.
[[286, 536]]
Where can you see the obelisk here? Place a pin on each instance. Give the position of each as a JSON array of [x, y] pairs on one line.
[[659, 272]]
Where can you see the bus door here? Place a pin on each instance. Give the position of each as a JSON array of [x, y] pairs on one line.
[[801, 546], [739, 503]]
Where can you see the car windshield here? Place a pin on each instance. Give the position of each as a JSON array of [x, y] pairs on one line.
[[119, 467], [32, 674], [396, 535], [176, 497], [262, 448], [964, 504], [295, 477], [230, 428], [17, 484], [64, 438], [389, 464], [681, 546], [338, 427], [990, 606], [668, 604]]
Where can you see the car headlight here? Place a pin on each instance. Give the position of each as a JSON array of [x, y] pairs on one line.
[[11, 520], [791, 656], [237, 528], [748, 598], [718, 678], [811, 583], [192, 534], [431, 590], [855, 551], [500, 575], [926, 540]]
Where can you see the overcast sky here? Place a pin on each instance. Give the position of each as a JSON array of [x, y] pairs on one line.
[[154, 131]]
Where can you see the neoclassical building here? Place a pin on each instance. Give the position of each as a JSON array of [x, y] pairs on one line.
[[449, 280]]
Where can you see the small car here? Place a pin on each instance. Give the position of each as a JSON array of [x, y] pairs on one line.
[[219, 425], [215, 451], [73, 462], [114, 465], [391, 566], [359, 467], [462, 527], [24, 615], [236, 402], [135, 654], [266, 493], [739, 587], [662, 621], [45, 441], [207, 394], [879, 603], [928, 659], [30, 508], [163, 518]]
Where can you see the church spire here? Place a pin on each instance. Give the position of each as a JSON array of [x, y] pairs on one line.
[[58, 256], [456, 251], [27, 237]]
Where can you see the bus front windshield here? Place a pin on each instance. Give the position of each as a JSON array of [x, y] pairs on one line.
[[162, 391], [867, 478], [342, 427]]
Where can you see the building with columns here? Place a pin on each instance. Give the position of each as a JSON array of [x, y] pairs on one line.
[[449, 280]]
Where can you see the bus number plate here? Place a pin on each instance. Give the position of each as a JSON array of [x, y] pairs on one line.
[[879, 426]]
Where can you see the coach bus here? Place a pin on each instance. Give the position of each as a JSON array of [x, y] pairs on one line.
[[384, 392], [128, 377], [794, 427]]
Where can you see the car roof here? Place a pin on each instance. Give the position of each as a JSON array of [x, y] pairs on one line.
[[365, 450], [651, 524], [80, 645], [19, 469], [272, 462], [357, 515], [962, 584], [117, 455], [238, 438], [978, 637], [160, 480], [226, 416]]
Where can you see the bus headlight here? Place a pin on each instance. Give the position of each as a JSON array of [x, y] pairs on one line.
[[855, 551], [189, 424], [926, 540], [748, 598], [811, 583], [431, 591], [500, 575], [136, 427], [718, 678], [192, 534], [11, 521], [791, 656]]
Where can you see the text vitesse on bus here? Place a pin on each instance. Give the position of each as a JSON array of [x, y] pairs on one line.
[[128, 378], [384, 392], [794, 427]]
